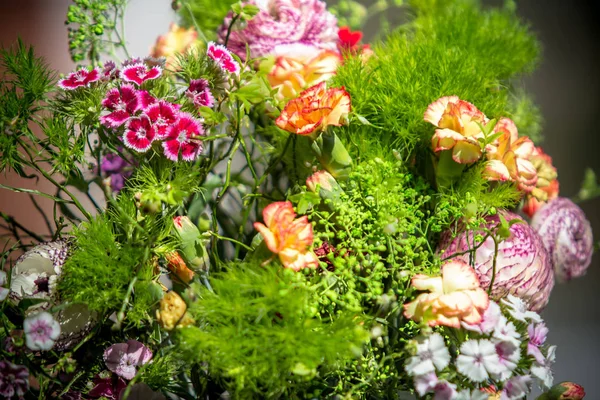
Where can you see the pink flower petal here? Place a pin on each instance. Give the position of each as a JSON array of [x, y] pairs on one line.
[[79, 78], [139, 134], [162, 115], [139, 73], [223, 58]]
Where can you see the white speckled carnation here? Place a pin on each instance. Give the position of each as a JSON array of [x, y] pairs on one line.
[[523, 268], [284, 28], [567, 235]]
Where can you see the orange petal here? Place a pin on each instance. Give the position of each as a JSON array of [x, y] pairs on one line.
[[268, 236], [466, 152]]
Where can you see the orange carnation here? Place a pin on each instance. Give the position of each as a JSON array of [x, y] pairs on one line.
[[176, 265], [547, 186], [315, 109], [453, 298], [289, 237], [177, 41]]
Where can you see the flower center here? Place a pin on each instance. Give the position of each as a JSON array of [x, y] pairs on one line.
[[183, 136]]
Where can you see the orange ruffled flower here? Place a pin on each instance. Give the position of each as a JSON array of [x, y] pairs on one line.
[[547, 186], [177, 265], [177, 41], [292, 75], [509, 158], [315, 109], [453, 298], [289, 237], [458, 122]]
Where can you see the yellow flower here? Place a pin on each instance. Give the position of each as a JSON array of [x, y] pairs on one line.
[[172, 312], [453, 297], [177, 41], [289, 237], [315, 109], [459, 128]]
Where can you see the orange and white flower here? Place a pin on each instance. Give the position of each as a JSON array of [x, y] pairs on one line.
[[291, 75], [315, 109], [459, 124], [177, 41], [452, 298], [547, 186], [289, 237], [509, 157]]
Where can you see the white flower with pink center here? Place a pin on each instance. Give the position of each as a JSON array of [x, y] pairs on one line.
[[183, 139], [139, 73], [123, 102], [3, 291], [518, 309], [431, 354], [506, 331], [516, 388], [509, 355], [543, 371], [537, 337], [124, 358], [223, 58], [199, 93], [478, 359], [425, 383], [41, 331], [162, 115], [489, 322], [80, 78], [139, 134]]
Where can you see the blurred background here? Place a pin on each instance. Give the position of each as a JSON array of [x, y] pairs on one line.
[[566, 86]]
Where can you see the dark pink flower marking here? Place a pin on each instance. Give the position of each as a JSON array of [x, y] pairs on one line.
[[183, 138], [146, 99], [14, 379], [109, 71], [123, 102], [139, 73], [81, 77], [139, 134], [223, 58], [123, 358], [109, 387], [199, 93], [162, 115]]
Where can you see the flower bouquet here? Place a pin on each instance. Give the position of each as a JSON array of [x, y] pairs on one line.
[[266, 207]]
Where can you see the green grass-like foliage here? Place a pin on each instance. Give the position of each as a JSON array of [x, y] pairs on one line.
[[449, 48], [260, 334]]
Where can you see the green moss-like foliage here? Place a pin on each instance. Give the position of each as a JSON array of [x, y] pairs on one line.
[[260, 333], [449, 48]]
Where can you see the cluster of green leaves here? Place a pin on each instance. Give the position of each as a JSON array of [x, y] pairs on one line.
[[206, 15], [260, 333]]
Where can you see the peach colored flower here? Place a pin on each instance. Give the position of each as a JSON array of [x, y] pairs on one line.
[[177, 41], [452, 298], [315, 109], [547, 186], [509, 157], [177, 265], [459, 128], [289, 237], [323, 180], [291, 75]]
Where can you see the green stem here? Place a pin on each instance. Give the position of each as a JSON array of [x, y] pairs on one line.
[[493, 266]]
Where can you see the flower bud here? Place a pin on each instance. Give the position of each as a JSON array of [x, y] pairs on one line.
[[564, 391], [567, 236], [177, 265], [325, 184], [192, 246]]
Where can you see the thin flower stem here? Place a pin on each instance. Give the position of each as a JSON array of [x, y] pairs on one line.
[[237, 242], [493, 265], [10, 220], [230, 27], [44, 216]]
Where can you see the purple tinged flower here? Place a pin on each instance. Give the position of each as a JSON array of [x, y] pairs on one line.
[[41, 331], [124, 358], [425, 383], [537, 337], [81, 77], [489, 322], [478, 359], [116, 169], [444, 390], [131, 61], [523, 267], [182, 139], [516, 388], [14, 379], [543, 371], [109, 387], [162, 115], [123, 102], [199, 93], [567, 235], [139, 134], [109, 71], [431, 354], [295, 28], [139, 73], [506, 331], [509, 355], [3, 291]]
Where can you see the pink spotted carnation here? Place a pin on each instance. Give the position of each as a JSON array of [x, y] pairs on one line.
[[139, 134], [81, 77], [121, 103], [284, 28], [140, 72], [182, 139], [199, 93], [223, 58]]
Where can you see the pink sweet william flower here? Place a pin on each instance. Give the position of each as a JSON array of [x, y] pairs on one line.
[[109, 71], [223, 58], [199, 93], [124, 358], [41, 331], [139, 134], [182, 138], [162, 115], [123, 102], [140, 72], [14, 379], [537, 337], [284, 28], [79, 78], [107, 387]]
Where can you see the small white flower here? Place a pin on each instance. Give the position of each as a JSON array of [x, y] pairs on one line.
[[41, 331], [518, 309], [478, 359], [509, 355], [472, 395], [491, 318], [431, 354], [444, 390], [425, 383], [3, 291], [543, 371], [506, 331], [516, 388]]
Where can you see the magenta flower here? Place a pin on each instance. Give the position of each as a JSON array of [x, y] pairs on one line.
[[293, 28], [183, 138], [139, 134], [537, 337], [223, 58], [41, 331], [123, 102], [109, 71], [109, 387], [146, 99], [14, 379], [123, 358], [567, 235], [162, 115], [79, 78], [3, 291], [140, 73], [200, 94]]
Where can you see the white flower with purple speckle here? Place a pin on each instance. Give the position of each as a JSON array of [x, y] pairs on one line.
[[41, 331], [537, 337], [509, 355], [516, 388], [506, 331], [478, 359], [444, 390], [431, 354], [124, 358], [543, 371], [518, 309], [425, 383]]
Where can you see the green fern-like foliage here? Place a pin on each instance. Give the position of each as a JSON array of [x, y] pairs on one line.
[[449, 48], [260, 333]]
